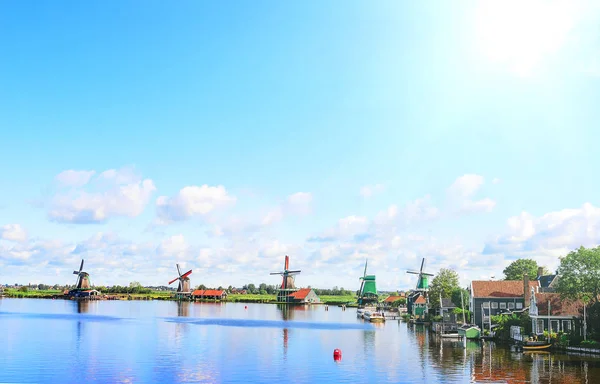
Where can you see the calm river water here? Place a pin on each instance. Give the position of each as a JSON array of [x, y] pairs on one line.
[[57, 341]]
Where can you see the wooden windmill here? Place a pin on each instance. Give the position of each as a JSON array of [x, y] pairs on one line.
[[83, 279], [367, 294], [287, 285], [184, 282], [418, 301]]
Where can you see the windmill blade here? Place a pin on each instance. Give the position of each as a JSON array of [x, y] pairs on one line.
[[427, 274], [81, 266], [290, 272], [413, 272], [422, 264], [174, 280], [277, 273], [76, 272], [287, 262], [178, 270], [365, 272], [186, 274]]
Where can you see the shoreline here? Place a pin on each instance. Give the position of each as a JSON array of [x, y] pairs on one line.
[[348, 301]]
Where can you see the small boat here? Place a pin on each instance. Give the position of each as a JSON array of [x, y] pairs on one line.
[[450, 335], [360, 312], [374, 317], [536, 345]]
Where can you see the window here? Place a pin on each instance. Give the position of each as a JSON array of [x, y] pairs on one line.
[[502, 305], [494, 305], [519, 305], [566, 325], [511, 305], [486, 305], [540, 326], [554, 325]]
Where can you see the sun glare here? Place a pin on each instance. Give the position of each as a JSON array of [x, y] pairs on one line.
[[522, 34]]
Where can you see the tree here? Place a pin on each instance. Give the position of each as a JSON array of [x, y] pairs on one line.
[[443, 284], [456, 298], [580, 274], [251, 288], [519, 267], [135, 284]]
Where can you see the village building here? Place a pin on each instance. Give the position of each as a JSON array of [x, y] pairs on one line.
[[491, 298], [392, 301], [446, 310], [417, 305], [549, 311], [303, 296], [209, 294]]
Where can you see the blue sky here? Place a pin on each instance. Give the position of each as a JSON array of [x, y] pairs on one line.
[[137, 135]]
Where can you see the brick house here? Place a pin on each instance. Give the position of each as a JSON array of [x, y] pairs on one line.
[[551, 311], [209, 294], [304, 296]]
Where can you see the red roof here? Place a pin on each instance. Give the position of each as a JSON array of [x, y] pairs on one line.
[[391, 299], [301, 294], [501, 288], [558, 305], [208, 292], [420, 300]]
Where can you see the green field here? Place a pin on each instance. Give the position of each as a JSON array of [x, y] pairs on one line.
[[165, 295]]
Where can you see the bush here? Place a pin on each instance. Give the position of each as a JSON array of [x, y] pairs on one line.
[[590, 344], [23, 289]]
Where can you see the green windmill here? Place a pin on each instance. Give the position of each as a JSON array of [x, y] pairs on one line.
[[367, 294], [418, 302]]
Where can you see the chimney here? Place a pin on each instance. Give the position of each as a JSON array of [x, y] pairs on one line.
[[526, 290], [540, 272]]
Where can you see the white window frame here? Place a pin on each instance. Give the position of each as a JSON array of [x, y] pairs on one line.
[[557, 322], [486, 305], [539, 325], [519, 305], [502, 305], [570, 326], [511, 305], [494, 305]]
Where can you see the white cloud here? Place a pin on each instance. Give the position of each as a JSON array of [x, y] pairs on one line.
[[193, 201], [371, 190], [496, 180], [299, 203], [546, 237], [122, 196], [13, 232], [72, 178]]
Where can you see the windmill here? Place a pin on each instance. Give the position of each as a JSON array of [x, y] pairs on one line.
[[184, 282], [368, 290], [83, 278], [420, 292], [287, 284]]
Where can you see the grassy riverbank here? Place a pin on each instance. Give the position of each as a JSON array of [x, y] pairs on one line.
[[165, 295]]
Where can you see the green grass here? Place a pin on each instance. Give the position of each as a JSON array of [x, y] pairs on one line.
[[41, 294], [166, 295]]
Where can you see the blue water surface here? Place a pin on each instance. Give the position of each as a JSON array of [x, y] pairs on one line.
[[58, 341]]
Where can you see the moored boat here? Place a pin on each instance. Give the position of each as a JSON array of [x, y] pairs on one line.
[[536, 345], [374, 317]]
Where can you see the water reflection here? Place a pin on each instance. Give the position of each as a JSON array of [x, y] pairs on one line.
[[83, 306], [287, 311], [285, 342], [183, 308]]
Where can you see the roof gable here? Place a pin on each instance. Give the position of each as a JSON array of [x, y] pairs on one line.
[[420, 300], [558, 306], [500, 288], [301, 293], [391, 299]]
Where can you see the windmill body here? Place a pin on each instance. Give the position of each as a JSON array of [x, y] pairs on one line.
[[418, 301], [367, 294], [288, 285], [183, 287], [83, 286]]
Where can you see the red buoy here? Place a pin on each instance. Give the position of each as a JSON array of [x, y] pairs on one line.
[[245, 307], [337, 354]]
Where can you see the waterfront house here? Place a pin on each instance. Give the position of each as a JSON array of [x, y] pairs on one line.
[[209, 294], [551, 311], [391, 301], [548, 283], [447, 310], [304, 296], [417, 305], [491, 298]]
